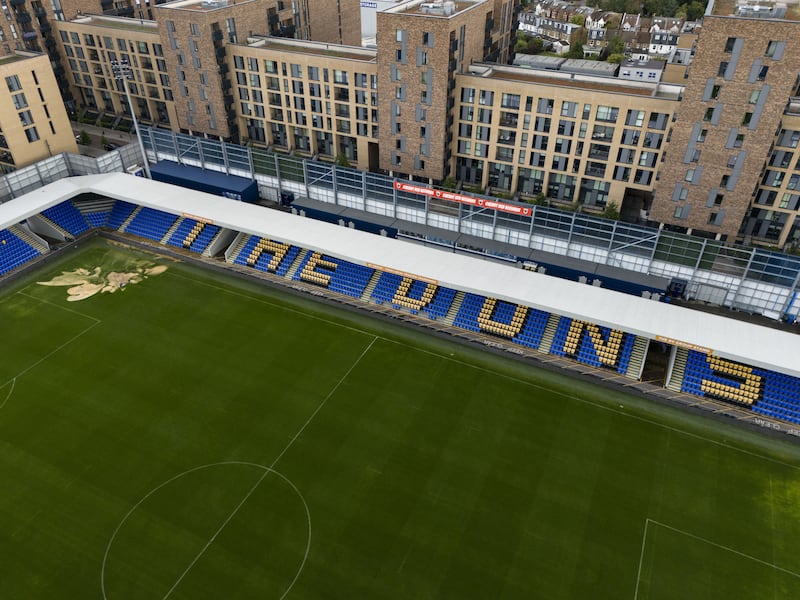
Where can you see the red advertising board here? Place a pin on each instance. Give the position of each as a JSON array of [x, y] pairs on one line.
[[461, 199]]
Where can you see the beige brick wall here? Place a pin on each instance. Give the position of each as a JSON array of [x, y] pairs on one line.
[[734, 97]]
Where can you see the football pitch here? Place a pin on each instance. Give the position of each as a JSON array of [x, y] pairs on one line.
[[197, 435]]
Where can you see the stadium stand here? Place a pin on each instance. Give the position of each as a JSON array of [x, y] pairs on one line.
[[97, 219], [120, 213], [768, 392], [14, 252], [337, 275], [181, 233], [701, 373], [151, 223], [68, 217]]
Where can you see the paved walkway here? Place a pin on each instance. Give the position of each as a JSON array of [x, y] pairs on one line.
[[96, 134]]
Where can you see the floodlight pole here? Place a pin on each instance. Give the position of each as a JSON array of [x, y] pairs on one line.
[[122, 70]]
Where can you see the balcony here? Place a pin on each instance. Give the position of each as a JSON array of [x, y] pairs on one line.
[[216, 35], [17, 2], [793, 106], [125, 11], [220, 53], [39, 11], [105, 4], [45, 27], [23, 17], [226, 85]]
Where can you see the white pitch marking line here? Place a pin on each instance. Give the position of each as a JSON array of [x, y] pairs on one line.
[[706, 541], [544, 357], [641, 559], [74, 312], [274, 462], [589, 402], [187, 472], [51, 353], [13, 382]]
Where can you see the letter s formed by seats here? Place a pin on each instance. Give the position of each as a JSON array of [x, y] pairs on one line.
[[746, 387]]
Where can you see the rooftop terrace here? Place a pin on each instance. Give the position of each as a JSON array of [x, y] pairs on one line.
[[785, 10], [315, 48], [586, 82], [433, 8]]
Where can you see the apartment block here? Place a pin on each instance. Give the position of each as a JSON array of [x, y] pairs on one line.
[[195, 35], [332, 21], [33, 122], [576, 139], [92, 46], [729, 122], [422, 48], [308, 97]]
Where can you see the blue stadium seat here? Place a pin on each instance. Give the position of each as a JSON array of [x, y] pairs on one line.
[[68, 217], [151, 223], [14, 252]]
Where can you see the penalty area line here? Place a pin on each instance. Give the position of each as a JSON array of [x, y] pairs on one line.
[[699, 538], [49, 354], [241, 503]]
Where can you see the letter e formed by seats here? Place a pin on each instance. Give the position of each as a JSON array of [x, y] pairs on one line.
[[310, 274]]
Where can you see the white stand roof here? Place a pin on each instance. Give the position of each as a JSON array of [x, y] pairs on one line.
[[728, 338]]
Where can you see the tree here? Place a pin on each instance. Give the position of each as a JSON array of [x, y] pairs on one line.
[[449, 183], [577, 20], [695, 10], [616, 58], [616, 45], [575, 51], [84, 139], [342, 160], [611, 211]]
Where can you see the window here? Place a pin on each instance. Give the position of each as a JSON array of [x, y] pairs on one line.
[[723, 66], [678, 212], [569, 109], [399, 35], [723, 181], [715, 92], [689, 175], [26, 118], [32, 134], [718, 199], [468, 94], [748, 116], [762, 74], [19, 100], [194, 29], [486, 98], [607, 113], [13, 83], [708, 114], [739, 141], [729, 43], [701, 137], [772, 48]]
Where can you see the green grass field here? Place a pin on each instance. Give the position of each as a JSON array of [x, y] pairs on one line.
[[199, 436]]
